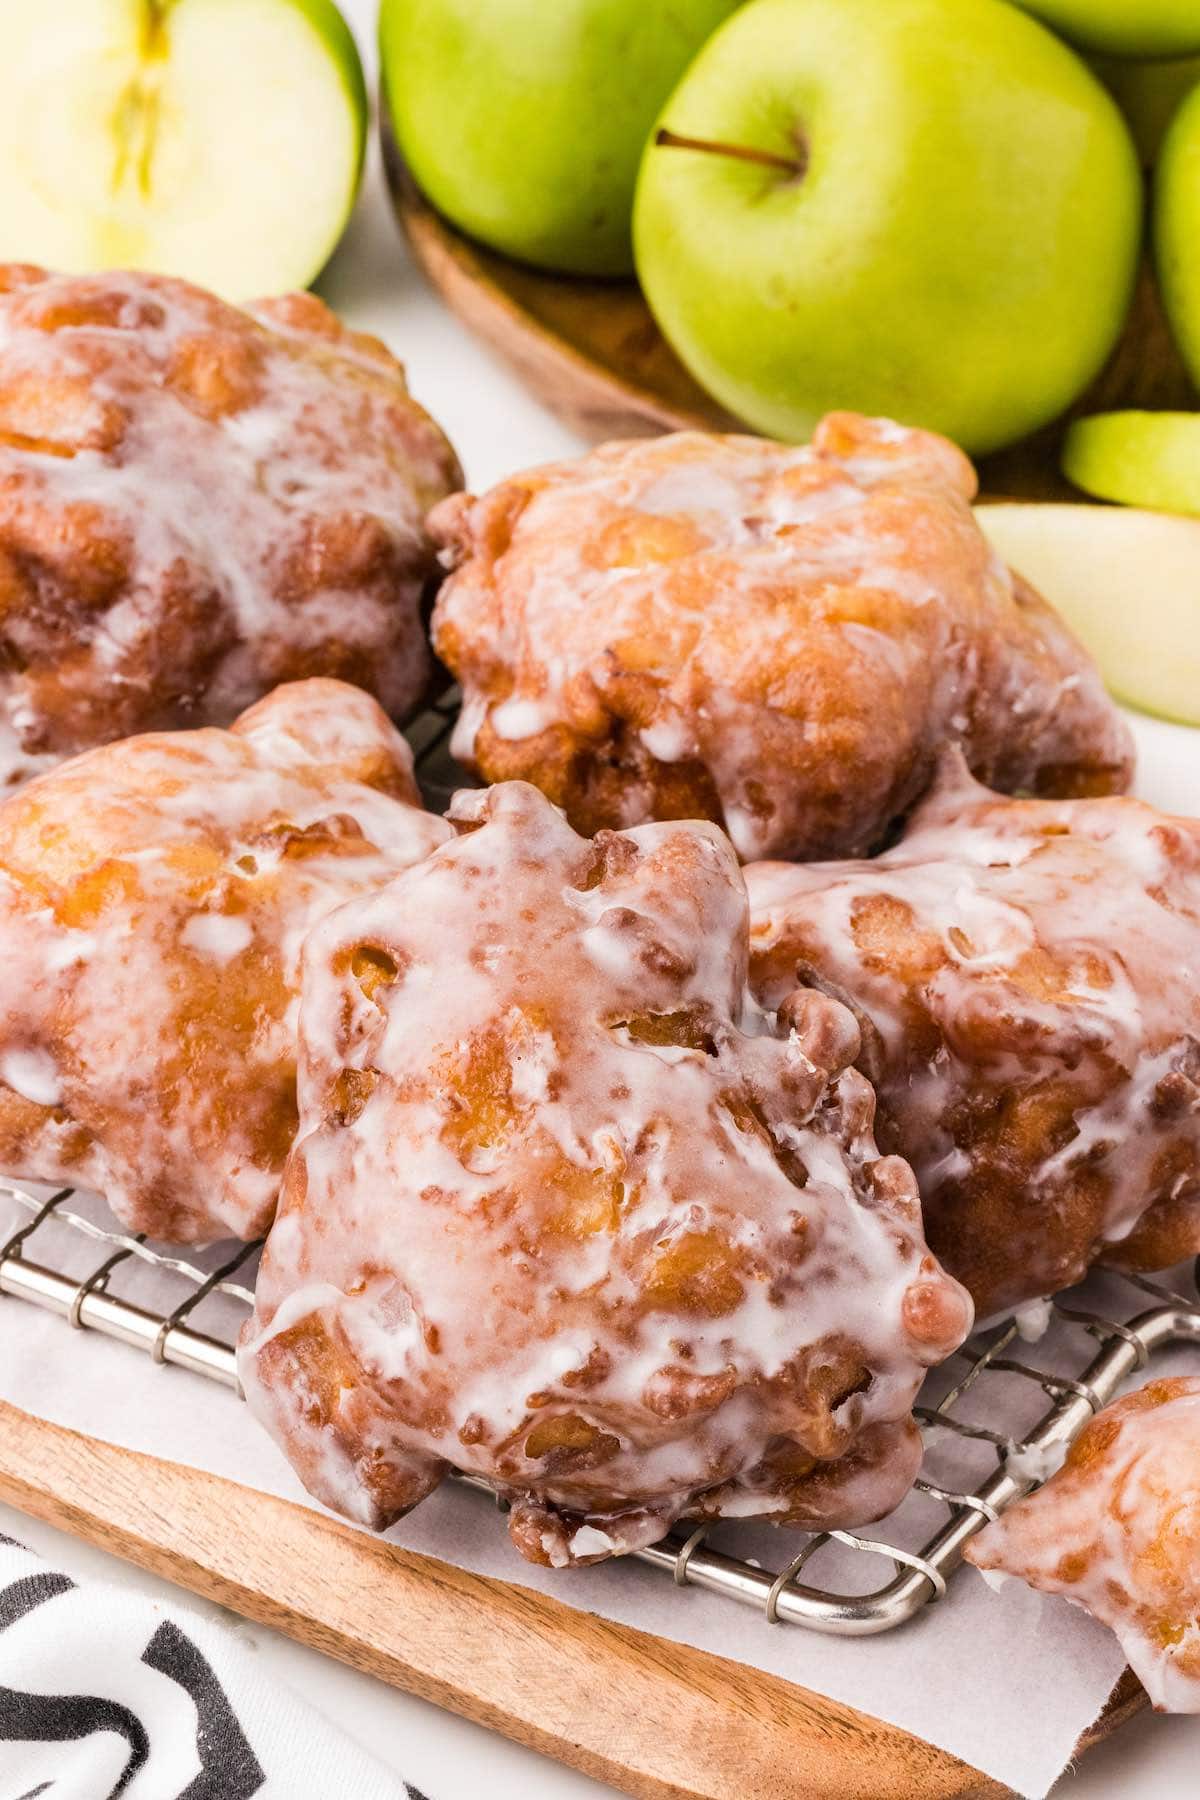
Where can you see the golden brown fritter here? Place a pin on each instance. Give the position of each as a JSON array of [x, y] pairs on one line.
[[1027, 977], [1118, 1531], [154, 895], [568, 1211], [198, 502], [778, 639]]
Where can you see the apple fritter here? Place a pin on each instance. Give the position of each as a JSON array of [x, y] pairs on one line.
[[1117, 1530], [776, 638], [154, 895], [570, 1212], [1026, 974], [198, 502]]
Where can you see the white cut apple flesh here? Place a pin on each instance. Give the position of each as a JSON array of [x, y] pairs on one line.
[[220, 140], [1128, 584]]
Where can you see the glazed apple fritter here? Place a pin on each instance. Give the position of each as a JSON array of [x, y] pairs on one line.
[[154, 895], [778, 639], [1026, 974], [570, 1212], [1118, 1531], [198, 502]]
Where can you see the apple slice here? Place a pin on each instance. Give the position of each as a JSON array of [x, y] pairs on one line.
[[1139, 458], [221, 140], [1128, 583]]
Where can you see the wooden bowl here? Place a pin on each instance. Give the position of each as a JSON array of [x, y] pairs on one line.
[[592, 353]]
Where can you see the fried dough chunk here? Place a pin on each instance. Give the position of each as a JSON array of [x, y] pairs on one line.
[[776, 638], [1117, 1530], [197, 502], [1027, 977], [154, 896], [568, 1211]]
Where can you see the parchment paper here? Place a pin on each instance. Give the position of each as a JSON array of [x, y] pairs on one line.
[[1006, 1680]]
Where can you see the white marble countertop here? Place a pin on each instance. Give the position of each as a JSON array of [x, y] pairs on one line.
[[497, 427]]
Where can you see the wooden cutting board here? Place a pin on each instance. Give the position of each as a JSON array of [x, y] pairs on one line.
[[592, 353], [657, 1719]]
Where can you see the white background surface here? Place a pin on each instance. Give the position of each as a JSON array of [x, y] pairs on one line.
[[497, 428]]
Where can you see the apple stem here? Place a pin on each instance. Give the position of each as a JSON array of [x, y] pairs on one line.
[[796, 166]]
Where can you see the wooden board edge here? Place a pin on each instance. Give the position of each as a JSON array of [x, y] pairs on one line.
[[658, 1719], [1127, 1700]]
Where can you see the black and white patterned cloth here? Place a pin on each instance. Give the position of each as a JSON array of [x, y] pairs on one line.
[[105, 1694]]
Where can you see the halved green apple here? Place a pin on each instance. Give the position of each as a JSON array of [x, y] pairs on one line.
[[1149, 459], [221, 140], [1127, 582]]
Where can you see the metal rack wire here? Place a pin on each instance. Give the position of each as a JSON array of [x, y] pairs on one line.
[[1083, 1359], [994, 1423]]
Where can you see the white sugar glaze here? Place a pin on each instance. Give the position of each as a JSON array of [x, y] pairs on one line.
[[774, 636], [216, 935], [33, 1074], [154, 897], [1031, 974], [1035, 1462], [1117, 1531], [539, 1187], [197, 502]]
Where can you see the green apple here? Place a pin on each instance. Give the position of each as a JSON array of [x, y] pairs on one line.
[[1138, 458], [1126, 582], [928, 209], [1177, 229], [1148, 93], [524, 120], [220, 140], [1124, 27]]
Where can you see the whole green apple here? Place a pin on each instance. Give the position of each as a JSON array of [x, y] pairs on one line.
[[924, 208], [1124, 27], [523, 121], [221, 140], [1177, 229]]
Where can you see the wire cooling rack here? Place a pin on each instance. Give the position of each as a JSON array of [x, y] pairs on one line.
[[997, 1418], [995, 1423]]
